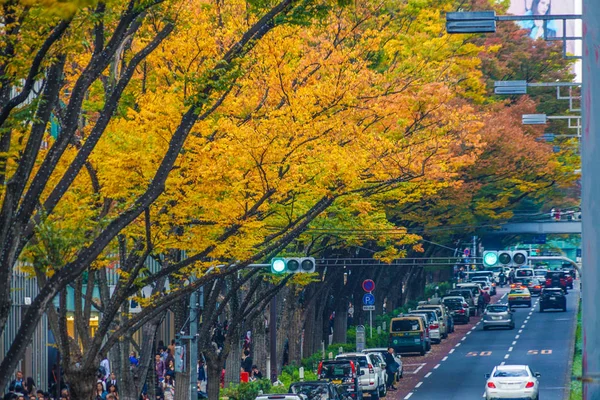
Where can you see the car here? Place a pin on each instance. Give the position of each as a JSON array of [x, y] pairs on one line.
[[533, 284], [397, 357], [569, 278], [281, 396], [427, 332], [498, 316], [540, 273], [408, 334], [512, 382], [519, 296], [433, 323], [467, 294], [380, 366], [370, 377], [485, 273], [440, 309], [344, 373], [553, 298], [524, 272], [458, 307], [317, 390], [488, 285], [556, 279], [475, 289]]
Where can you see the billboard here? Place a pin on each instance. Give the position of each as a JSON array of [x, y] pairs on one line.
[[550, 29]]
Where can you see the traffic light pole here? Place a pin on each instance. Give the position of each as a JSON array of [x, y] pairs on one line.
[[590, 183]]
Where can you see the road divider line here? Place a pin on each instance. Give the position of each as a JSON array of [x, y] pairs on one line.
[[510, 349], [516, 337], [520, 330], [408, 396], [437, 366], [428, 374], [506, 356], [457, 344], [473, 328], [463, 338], [451, 351], [418, 385], [523, 326], [515, 342], [503, 362], [468, 333], [445, 358]]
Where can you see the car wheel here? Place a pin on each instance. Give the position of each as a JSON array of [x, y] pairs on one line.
[[511, 327], [564, 309], [541, 309], [422, 352], [529, 305], [485, 328], [375, 395], [382, 391]]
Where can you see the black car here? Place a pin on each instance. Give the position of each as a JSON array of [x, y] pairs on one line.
[[344, 373], [553, 298], [318, 390], [458, 310]]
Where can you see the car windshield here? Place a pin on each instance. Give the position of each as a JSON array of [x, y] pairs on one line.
[[511, 373], [430, 316], [335, 370], [497, 309], [362, 361], [517, 291], [524, 272], [479, 279], [552, 292], [453, 304], [402, 325], [311, 391], [540, 272]]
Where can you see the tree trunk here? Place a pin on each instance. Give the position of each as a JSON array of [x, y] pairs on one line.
[[259, 343], [309, 330], [182, 385], [82, 383], [340, 324], [214, 368], [233, 364], [295, 335]]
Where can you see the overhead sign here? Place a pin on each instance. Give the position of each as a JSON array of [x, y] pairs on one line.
[[360, 338], [368, 308], [368, 285], [368, 299], [467, 252]]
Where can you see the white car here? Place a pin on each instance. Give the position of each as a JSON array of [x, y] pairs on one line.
[[512, 382], [370, 374], [397, 357], [434, 324]]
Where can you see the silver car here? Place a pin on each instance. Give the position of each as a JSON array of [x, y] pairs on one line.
[[512, 382], [498, 316]]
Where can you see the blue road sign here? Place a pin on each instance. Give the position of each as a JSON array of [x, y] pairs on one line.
[[368, 299]]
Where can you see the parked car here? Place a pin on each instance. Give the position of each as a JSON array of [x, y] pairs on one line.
[[433, 324], [407, 334], [440, 309], [318, 390], [467, 294], [459, 309], [281, 396], [371, 377], [553, 298], [397, 357], [344, 373], [498, 316], [488, 285]]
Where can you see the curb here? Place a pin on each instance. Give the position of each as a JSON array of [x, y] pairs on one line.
[[567, 393]]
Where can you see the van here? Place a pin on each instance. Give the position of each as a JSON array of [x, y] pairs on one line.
[[524, 273], [407, 335], [487, 274]]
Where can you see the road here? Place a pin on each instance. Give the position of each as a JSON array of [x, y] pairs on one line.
[[541, 340]]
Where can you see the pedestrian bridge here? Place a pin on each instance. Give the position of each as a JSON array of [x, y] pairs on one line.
[[537, 227]]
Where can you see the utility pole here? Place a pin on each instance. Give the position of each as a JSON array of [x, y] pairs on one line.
[[193, 345], [590, 182], [273, 338]]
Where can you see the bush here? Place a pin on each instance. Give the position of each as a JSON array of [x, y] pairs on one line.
[[247, 391]]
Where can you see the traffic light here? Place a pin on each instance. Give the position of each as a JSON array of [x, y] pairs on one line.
[[490, 258], [293, 265], [505, 258], [519, 258]]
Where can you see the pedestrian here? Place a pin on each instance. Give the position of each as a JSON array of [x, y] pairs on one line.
[[171, 369], [112, 390], [391, 367], [246, 362], [17, 384], [105, 365], [112, 380], [168, 387], [100, 393], [169, 357], [159, 368], [133, 359]]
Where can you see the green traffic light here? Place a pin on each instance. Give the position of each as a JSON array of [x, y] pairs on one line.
[[490, 259], [277, 265]]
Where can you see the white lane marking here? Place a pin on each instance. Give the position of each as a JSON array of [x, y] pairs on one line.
[[523, 326], [515, 342], [416, 370], [428, 374], [468, 333], [483, 394], [502, 363], [445, 358], [506, 356], [418, 385], [516, 337], [457, 344], [473, 328], [437, 366], [510, 349], [408, 396], [451, 351], [463, 338], [520, 330]]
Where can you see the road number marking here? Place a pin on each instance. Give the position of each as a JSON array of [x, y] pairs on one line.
[[534, 352], [481, 354]]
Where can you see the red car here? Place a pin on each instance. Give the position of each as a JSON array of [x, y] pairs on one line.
[[569, 279]]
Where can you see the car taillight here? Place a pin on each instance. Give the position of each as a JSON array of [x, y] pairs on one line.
[[353, 368], [461, 311], [538, 287], [465, 305], [371, 370], [548, 281], [529, 385], [320, 368], [434, 326], [491, 385], [421, 335]]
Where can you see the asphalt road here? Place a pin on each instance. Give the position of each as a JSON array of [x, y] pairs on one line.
[[541, 340]]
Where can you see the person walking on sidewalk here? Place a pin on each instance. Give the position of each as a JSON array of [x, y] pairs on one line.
[[391, 367]]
